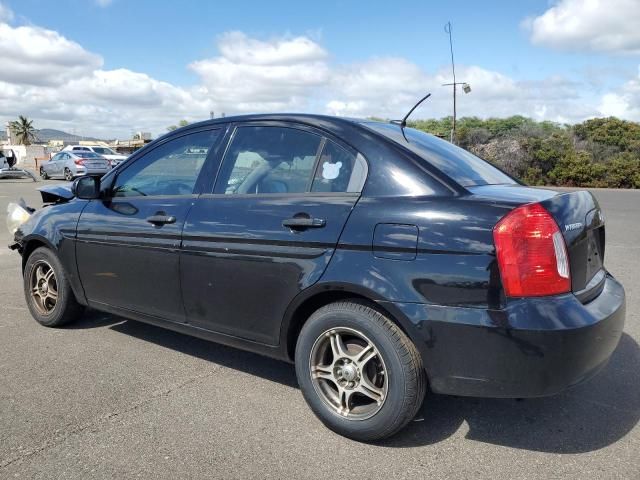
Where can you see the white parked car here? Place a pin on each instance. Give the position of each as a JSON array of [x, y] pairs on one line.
[[114, 158]]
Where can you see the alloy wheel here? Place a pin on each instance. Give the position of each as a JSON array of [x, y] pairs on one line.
[[44, 287], [348, 373], [68, 175]]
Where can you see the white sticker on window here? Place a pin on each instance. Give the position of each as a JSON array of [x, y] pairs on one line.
[[331, 170]]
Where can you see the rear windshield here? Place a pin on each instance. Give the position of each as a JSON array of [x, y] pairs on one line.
[[104, 151], [86, 154], [463, 167]]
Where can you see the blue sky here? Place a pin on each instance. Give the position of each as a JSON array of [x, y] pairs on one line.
[[564, 61]]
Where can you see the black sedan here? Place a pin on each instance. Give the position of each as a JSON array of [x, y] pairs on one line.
[[380, 259]]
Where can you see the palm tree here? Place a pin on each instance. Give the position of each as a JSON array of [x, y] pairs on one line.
[[23, 130]]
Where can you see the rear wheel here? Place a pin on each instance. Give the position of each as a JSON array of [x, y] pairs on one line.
[[359, 373], [68, 175], [43, 174], [47, 290]]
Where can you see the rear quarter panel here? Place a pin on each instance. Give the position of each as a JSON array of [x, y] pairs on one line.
[[455, 262]]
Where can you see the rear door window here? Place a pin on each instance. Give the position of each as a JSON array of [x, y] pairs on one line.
[[274, 159], [269, 160]]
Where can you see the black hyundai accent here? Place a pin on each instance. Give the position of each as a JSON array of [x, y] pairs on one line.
[[378, 258]]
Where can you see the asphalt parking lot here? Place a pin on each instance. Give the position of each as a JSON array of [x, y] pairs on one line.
[[109, 397]]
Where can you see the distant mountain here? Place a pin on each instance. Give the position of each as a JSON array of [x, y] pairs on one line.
[[47, 134]]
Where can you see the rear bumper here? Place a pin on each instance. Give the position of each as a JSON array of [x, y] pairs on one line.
[[91, 171], [534, 347]]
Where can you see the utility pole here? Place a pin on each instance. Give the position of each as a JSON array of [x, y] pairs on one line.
[[465, 87]]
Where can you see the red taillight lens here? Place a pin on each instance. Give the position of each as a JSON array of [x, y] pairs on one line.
[[531, 252], [79, 161]]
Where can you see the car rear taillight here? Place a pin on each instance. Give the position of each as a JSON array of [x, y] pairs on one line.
[[531, 252], [79, 161]]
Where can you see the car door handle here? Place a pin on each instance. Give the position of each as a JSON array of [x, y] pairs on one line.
[[161, 219], [302, 222]]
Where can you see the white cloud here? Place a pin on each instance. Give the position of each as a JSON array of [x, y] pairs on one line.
[[103, 3], [624, 102], [237, 47], [369, 89], [254, 75], [608, 26], [36, 56]]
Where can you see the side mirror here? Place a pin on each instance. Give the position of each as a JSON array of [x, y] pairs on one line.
[[86, 188]]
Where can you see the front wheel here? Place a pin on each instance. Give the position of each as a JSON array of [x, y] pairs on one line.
[[47, 290], [68, 175], [360, 374]]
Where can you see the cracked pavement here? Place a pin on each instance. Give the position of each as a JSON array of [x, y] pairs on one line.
[[109, 397]]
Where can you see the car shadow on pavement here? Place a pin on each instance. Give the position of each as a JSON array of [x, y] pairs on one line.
[[587, 417], [251, 363], [94, 319]]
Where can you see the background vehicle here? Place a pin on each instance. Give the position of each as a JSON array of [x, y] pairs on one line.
[[8, 169], [377, 258], [114, 158], [69, 165]]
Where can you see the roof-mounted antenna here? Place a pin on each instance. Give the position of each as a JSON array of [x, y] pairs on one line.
[[403, 122]]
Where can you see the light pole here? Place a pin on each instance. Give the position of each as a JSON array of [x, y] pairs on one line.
[[465, 86]]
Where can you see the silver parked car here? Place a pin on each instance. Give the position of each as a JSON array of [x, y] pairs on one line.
[[74, 164], [114, 158]]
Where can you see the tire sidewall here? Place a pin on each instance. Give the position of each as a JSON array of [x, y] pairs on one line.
[[387, 416]]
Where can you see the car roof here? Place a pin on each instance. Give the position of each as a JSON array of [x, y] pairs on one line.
[[307, 118]]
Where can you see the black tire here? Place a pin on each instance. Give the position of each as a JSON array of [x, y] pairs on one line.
[[43, 174], [68, 176], [65, 309], [404, 374]]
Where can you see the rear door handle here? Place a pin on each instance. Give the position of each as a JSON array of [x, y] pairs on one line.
[[300, 223], [161, 219]]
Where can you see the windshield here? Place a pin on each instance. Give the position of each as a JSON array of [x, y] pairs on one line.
[[455, 162], [104, 151]]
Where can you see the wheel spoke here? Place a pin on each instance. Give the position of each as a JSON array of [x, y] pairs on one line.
[[337, 347], [48, 275], [365, 355], [41, 301], [52, 295], [323, 372], [370, 390], [345, 400], [39, 273]]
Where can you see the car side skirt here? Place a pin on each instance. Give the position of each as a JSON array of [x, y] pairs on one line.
[[184, 328]]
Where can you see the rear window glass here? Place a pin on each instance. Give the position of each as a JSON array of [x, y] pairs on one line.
[[455, 162], [86, 154], [104, 151]]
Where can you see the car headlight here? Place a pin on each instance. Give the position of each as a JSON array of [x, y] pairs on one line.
[[16, 216]]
